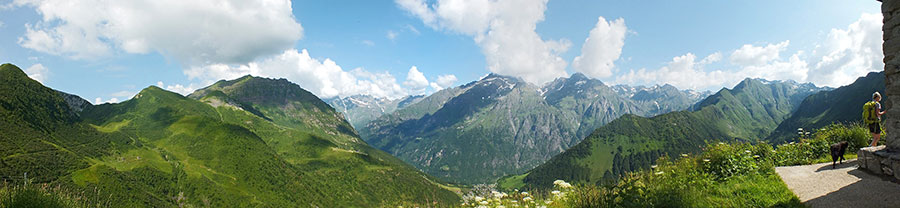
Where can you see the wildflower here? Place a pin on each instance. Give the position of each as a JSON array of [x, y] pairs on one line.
[[501, 206], [792, 143], [484, 202], [705, 160], [514, 201], [527, 198], [524, 193], [653, 166], [720, 143], [659, 173], [755, 156], [481, 206], [684, 155], [555, 192], [478, 198], [747, 151], [548, 202]]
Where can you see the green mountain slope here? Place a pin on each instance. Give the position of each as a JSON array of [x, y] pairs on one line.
[[500, 125], [255, 142], [841, 105], [749, 111]]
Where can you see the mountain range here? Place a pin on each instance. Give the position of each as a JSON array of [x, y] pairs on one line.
[[748, 112], [501, 125], [362, 109], [245, 142]]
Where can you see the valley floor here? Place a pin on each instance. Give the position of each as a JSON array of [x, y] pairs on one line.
[[818, 185]]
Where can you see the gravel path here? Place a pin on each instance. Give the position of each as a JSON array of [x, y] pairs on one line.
[[819, 185]]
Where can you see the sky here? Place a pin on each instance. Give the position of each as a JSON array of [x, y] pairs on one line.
[[108, 50]]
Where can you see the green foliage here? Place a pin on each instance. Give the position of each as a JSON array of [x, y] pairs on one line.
[[45, 196], [693, 181], [818, 147]]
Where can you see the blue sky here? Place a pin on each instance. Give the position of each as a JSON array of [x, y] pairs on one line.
[[112, 49]]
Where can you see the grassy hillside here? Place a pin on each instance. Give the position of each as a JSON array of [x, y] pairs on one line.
[[748, 112], [841, 105], [161, 149]]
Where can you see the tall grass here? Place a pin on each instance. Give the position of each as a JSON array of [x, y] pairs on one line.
[[47, 196]]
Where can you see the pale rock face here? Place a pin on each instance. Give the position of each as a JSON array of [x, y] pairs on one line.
[[891, 11]]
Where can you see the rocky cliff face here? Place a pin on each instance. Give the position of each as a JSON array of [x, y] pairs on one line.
[[890, 9]]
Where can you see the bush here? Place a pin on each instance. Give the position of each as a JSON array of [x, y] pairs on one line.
[[856, 134], [724, 161], [43, 196], [818, 147]]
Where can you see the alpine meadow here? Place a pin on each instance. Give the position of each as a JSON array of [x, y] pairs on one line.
[[449, 103]]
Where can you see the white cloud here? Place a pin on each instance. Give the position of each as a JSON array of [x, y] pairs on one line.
[[443, 81], [413, 29], [325, 78], [416, 81], [193, 32], [391, 35], [601, 48], [756, 55], [849, 53], [845, 55], [368, 43], [446, 80], [682, 72], [99, 100], [712, 58], [38, 72], [505, 31]]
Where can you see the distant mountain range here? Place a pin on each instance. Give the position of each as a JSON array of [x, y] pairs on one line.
[[362, 109], [748, 112], [500, 125], [249, 142]]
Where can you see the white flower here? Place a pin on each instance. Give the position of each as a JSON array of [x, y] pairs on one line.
[[500, 206], [747, 151], [524, 193], [478, 198], [705, 160], [514, 201], [659, 173], [481, 206], [548, 202], [527, 198], [653, 166], [720, 143], [755, 156], [792, 143], [684, 155], [484, 202], [555, 192]]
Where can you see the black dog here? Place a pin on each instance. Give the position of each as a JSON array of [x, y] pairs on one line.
[[837, 151]]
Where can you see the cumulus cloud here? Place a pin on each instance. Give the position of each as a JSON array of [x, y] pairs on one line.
[[325, 78], [37, 72], [505, 31], [194, 32], [845, 55], [757, 55], [444, 81], [416, 80], [99, 100], [602, 47], [849, 53]]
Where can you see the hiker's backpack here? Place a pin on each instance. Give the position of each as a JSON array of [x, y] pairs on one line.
[[869, 114]]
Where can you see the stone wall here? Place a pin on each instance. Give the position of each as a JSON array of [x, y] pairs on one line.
[[891, 47]]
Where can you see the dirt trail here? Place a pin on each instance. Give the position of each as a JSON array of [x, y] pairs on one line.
[[819, 185]]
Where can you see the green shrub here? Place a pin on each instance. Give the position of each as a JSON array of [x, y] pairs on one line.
[[43, 196], [856, 134], [724, 161]]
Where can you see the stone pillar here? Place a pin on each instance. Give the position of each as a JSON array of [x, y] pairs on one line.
[[890, 9]]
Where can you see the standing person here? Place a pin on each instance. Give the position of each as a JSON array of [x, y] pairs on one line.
[[872, 116]]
